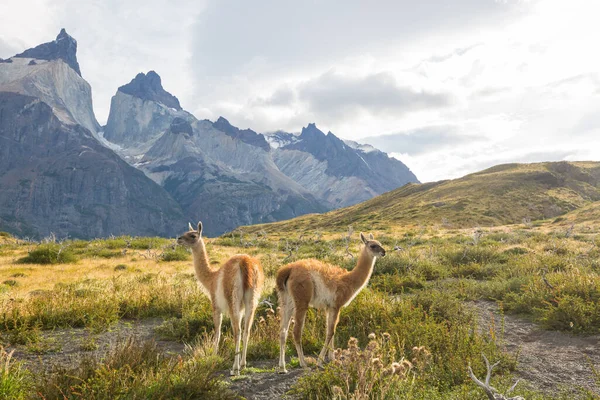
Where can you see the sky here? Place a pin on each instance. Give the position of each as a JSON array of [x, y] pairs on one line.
[[447, 87]]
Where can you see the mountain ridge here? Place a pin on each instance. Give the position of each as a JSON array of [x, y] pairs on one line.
[[213, 170], [500, 195]]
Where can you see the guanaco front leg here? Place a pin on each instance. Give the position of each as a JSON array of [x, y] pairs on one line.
[[286, 319], [332, 319], [217, 320]]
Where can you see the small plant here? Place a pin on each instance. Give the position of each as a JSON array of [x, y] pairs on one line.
[[15, 381], [365, 373], [121, 267], [89, 343], [43, 346]]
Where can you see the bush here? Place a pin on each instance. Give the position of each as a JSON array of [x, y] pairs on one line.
[[49, 253], [474, 254], [572, 313], [177, 254]]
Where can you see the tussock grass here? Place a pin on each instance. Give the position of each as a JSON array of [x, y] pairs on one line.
[[135, 370]]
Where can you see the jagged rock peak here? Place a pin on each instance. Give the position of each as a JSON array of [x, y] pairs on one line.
[[180, 125], [245, 135], [311, 131], [64, 47], [149, 87]]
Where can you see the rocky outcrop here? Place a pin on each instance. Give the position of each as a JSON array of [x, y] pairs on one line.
[[140, 112], [340, 173], [58, 178], [180, 125], [54, 78], [64, 47], [245, 135], [149, 87]]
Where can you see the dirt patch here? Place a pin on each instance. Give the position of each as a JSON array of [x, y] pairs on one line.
[[67, 346], [265, 385], [550, 361]]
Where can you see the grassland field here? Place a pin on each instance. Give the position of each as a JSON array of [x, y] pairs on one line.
[[416, 312]]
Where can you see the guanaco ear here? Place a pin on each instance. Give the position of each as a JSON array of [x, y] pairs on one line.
[[363, 238], [199, 228], [190, 227], [371, 236]]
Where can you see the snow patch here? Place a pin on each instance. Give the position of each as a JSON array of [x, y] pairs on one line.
[[280, 139], [365, 148], [113, 146]]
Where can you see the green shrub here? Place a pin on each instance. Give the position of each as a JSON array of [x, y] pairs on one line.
[[50, 253], [516, 251], [474, 254], [177, 254], [571, 313], [397, 283]]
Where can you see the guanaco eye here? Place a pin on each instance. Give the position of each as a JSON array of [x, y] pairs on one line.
[[373, 246], [193, 236]]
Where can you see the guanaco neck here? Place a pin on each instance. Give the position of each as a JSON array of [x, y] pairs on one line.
[[202, 267], [361, 273]]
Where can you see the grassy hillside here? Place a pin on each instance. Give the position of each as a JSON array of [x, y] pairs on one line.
[[504, 194]]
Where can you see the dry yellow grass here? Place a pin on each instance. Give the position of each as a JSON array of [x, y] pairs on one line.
[[46, 277]]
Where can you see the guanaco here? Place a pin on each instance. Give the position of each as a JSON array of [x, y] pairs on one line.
[[314, 283], [234, 290]]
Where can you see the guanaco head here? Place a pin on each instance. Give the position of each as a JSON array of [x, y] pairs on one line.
[[372, 246], [191, 237]]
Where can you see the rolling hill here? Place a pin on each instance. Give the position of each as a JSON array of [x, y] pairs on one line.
[[504, 194]]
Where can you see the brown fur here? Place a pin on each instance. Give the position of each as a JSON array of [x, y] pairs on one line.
[[312, 282], [239, 269]]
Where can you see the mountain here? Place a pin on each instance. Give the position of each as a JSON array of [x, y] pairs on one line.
[[504, 194], [155, 162], [57, 178], [218, 173], [64, 47], [50, 72], [341, 173], [54, 173], [140, 112]]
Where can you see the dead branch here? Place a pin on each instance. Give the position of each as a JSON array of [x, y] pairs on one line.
[[489, 390]]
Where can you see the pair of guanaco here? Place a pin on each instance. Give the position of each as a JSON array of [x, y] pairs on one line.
[[234, 290]]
